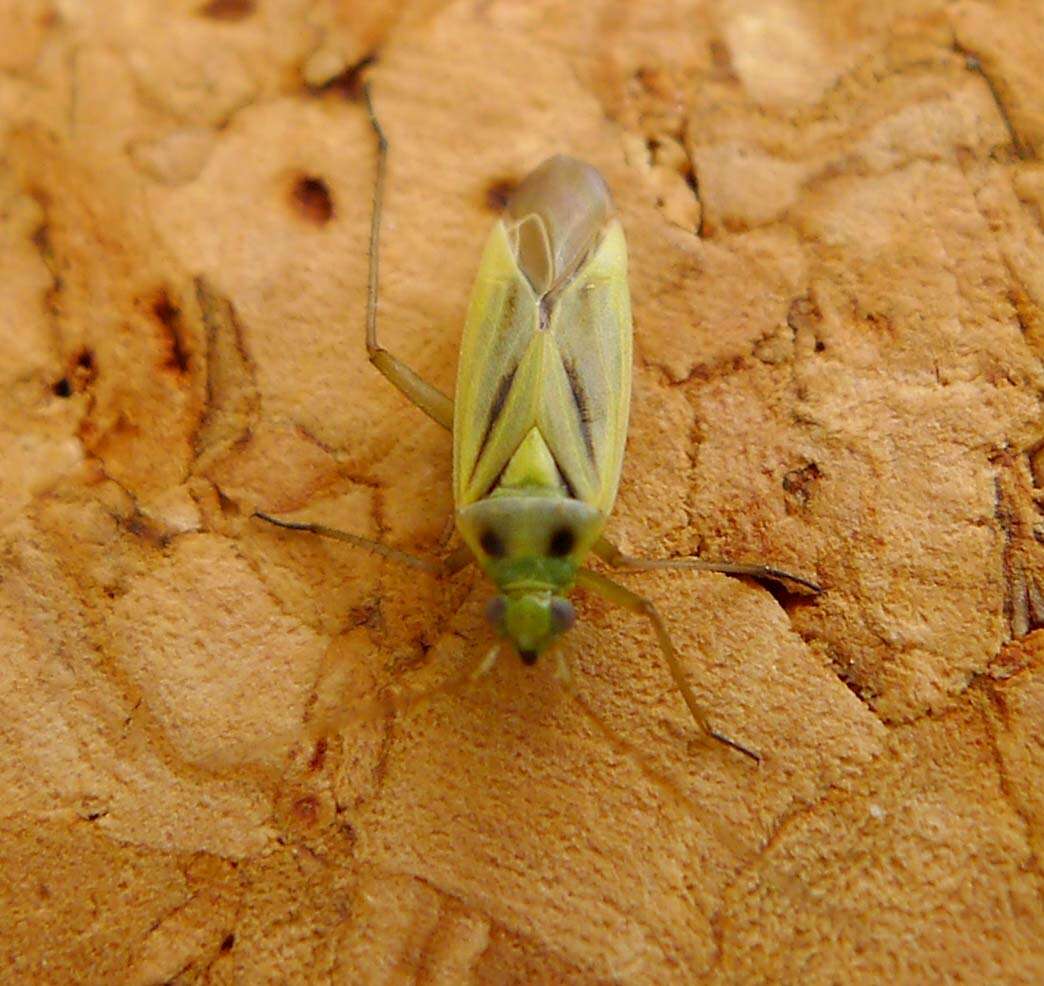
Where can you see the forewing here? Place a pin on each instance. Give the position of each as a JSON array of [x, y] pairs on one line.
[[586, 392], [497, 396], [572, 378]]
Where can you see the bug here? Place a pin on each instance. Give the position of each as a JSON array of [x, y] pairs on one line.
[[539, 417]]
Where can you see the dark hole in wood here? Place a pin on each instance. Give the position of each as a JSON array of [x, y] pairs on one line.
[[228, 10], [349, 83], [498, 192], [312, 199], [169, 316]]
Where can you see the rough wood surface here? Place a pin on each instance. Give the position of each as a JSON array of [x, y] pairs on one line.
[[834, 214]]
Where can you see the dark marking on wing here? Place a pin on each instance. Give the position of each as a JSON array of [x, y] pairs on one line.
[[570, 488], [497, 478], [499, 399], [583, 407], [509, 307]]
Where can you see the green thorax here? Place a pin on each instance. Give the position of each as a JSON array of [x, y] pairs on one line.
[[529, 535]]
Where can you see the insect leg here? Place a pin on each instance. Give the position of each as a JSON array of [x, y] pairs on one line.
[[622, 596], [429, 399], [615, 558], [453, 562]]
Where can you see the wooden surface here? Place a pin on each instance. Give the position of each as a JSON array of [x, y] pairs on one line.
[[834, 214]]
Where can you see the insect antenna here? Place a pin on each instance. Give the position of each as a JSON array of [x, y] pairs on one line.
[[375, 221], [367, 544], [418, 391], [452, 563]]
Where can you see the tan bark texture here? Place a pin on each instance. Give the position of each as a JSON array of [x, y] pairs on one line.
[[834, 216]]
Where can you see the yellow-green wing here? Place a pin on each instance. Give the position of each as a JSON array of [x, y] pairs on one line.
[[587, 388], [570, 377], [502, 322]]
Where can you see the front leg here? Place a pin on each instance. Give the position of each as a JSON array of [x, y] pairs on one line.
[[615, 558]]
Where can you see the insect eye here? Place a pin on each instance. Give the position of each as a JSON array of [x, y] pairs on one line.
[[563, 616], [495, 610], [562, 541], [491, 543]]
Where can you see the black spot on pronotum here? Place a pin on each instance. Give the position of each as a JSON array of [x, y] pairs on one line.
[[62, 388], [528, 657], [561, 543], [85, 360], [228, 10], [492, 543], [228, 942], [312, 200], [498, 192]]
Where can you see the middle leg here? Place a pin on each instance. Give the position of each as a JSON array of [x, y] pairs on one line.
[[615, 558]]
